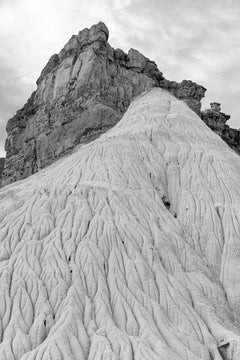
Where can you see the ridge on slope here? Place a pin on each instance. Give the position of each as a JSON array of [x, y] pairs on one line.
[[128, 248]]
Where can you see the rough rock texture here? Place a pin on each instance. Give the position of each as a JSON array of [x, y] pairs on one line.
[[128, 248], [216, 120], [82, 91], [2, 161], [188, 91]]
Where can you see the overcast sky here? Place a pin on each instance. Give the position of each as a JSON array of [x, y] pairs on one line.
[[188, 39]]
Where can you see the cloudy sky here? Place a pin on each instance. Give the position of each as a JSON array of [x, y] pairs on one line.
[[197, 40]]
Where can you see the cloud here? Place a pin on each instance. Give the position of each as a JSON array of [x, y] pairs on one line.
[[197, 40]]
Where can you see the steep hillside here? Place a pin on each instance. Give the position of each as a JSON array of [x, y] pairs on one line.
[[81, 93], [128, 248]]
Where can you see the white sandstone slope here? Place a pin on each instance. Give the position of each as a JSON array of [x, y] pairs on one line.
[[127, 249]]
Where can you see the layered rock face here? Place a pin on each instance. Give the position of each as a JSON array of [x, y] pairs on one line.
[[82, 91], [128, 248], [216, 120]]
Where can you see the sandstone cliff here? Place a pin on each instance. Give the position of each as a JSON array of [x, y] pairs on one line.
[[82, 92], [128, 248]]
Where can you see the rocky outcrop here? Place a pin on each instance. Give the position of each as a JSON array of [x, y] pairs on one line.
[[188, 91], [232, 138], [82, 91], [128, 248], [216, 120], [2, 161]]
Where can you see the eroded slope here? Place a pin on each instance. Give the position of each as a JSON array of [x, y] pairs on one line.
[[127, 249]]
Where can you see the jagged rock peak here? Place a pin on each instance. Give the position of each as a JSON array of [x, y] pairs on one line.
[[99, 33], [215, 106], [85, 37], [81, 92]]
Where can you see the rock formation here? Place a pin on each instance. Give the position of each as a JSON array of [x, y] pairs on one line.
[[216, 120], [2, 161], [82, 92], [128, 248], [188, 91]]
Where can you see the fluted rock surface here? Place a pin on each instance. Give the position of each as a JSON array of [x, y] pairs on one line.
[[82, 92], [128, 248]]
